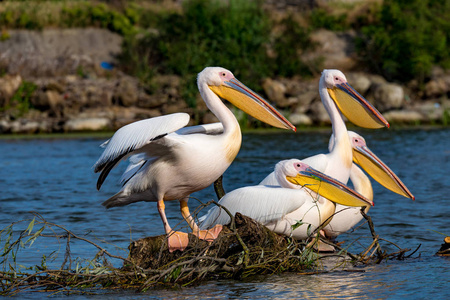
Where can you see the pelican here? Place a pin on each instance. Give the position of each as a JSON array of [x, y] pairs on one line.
[[275, 206], [338, 96], [169, 162], [346, 217]]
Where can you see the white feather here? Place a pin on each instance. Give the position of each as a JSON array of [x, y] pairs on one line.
[[137, 134], [213, 128], [261, 203]]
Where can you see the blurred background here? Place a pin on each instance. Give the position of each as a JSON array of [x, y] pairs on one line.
[[68, 66]]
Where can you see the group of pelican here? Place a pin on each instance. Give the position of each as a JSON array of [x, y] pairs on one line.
[[168, 161]]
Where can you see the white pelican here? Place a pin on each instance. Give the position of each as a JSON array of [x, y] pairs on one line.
[[276, 206], [338, 96], [169, 162], [347, 217]]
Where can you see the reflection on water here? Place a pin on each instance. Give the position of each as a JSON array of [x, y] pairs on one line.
[[55, 178]]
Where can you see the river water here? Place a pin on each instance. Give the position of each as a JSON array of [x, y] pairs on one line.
[[54, 177]]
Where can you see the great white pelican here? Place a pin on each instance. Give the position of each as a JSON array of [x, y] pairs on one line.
[[338, 96], [300, 188], [346, 217], [169, 162]]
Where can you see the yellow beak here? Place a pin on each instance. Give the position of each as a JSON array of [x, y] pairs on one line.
[[245, 99], [329, 188], [355, 108], [379, 171]]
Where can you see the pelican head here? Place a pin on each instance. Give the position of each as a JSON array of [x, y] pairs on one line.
[[223, 83], [375, 167], [300, 174], [355, 108]]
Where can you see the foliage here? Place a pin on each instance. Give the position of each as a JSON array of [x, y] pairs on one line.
[[21, 100], [36, 15], [320, 18], [206, 33], [407, 39], [288, 46], [21, 17], [97, 15], [234, 34]]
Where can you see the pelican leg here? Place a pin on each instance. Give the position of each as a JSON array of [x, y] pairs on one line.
[[320, 246], [177, 240], [208, 235]]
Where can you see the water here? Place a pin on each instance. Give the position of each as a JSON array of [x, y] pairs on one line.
[[54, 177]]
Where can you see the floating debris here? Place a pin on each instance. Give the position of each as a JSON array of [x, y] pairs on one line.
[[445, 248]]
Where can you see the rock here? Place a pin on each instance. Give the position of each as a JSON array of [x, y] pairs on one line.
[[359, 82], [179, 106], [53, 52], [300, 119], [404, 116], [87, 124], [126, 91], [319, 113], [49, 99], [432, 110], [275, 91], [8, 86], [151, 101], [336, 49], [438, 87], [53, 85], [304, 100], [5, 126], [388, 96], [24, 126]]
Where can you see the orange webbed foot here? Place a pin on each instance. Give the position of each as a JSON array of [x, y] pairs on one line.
[[210, 234], [177, 240]]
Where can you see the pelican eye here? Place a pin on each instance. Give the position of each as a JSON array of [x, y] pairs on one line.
[[298, 165], [223, 74]]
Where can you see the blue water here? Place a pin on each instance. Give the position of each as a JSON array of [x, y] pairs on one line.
[[54, 178]]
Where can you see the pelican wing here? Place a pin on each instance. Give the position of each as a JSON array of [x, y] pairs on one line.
[[133, 137], [261, 203], [213, 128]]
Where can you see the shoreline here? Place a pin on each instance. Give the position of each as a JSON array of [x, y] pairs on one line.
[[261, 131]]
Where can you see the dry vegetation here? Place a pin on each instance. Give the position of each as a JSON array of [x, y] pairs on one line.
[[244, 248]]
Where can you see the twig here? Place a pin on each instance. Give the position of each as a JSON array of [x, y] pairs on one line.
[[69, 233], [218, 187], [372, 231]]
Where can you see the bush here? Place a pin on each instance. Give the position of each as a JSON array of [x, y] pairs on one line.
[[96, 15], [407, 39], [235, 35], [288, 47], [320, 18]]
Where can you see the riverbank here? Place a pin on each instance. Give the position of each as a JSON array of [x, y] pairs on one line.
[[61, 80]]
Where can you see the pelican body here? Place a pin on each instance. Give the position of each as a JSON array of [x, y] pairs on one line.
[[169, 161], [338, 96], [346, 217], [300, 187]]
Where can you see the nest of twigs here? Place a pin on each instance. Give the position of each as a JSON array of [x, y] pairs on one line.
[[243, 249]]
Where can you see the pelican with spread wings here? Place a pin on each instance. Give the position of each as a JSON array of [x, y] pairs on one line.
[[169, 161]]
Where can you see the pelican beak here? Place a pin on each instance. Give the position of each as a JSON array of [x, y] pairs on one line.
[[355, 108], [247, 100], [379, 171], [329, 188]]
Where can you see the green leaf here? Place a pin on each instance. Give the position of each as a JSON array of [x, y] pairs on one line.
[[30, 226], [297, 224]]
